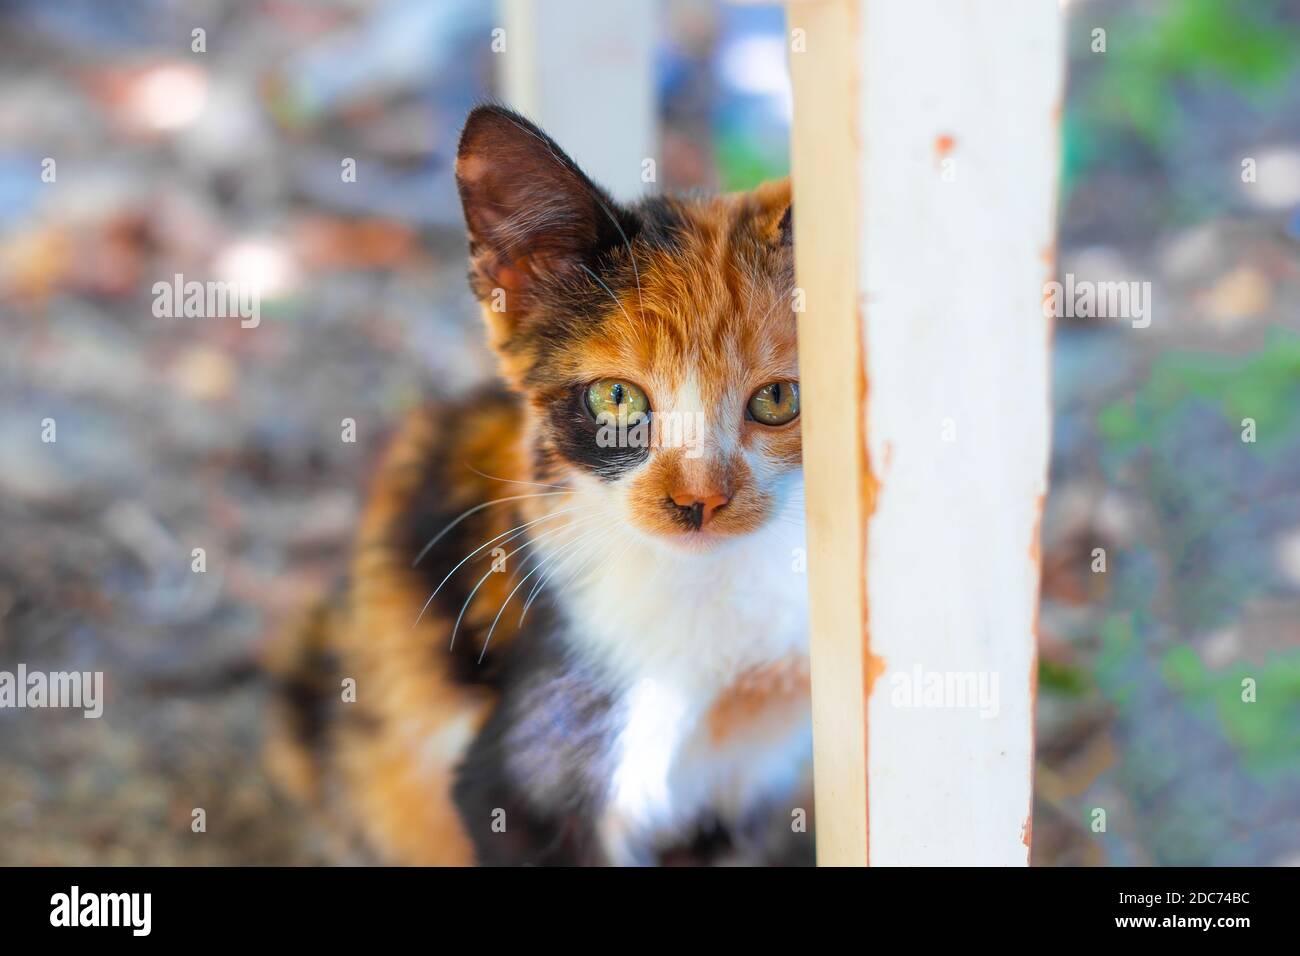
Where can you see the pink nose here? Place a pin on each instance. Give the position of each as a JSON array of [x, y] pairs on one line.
[[700, 508]]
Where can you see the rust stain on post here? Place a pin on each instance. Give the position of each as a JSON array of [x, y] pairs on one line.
[[1035, 556], [1035, 536], [872, 666], [1048, 255]]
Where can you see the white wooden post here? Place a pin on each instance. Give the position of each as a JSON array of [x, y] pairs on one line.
[[584, 71], [925, 160]]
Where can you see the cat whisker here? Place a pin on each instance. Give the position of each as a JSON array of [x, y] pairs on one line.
[[570, 572], [477, 508], [468, 600], [573, 576], [606, 288], [585, 519], [532, 595], [631, 256], [751, 274], [559, 565], [515, 591], [514, 481], [512, 532], [786, 298]]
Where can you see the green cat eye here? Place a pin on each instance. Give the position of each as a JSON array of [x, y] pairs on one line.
[[775, 403], [616, 397]]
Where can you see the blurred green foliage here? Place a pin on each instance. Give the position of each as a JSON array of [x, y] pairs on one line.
[[1266, 731], [1150, 61], [1242, 44], [1177, 443], [1264, 385], [1064, 679]]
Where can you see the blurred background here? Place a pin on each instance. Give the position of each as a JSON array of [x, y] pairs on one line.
[[175, 434]]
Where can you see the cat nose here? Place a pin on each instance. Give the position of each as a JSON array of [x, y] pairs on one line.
[[699, 508]]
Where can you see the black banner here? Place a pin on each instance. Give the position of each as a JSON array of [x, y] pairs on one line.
[[335, 906]]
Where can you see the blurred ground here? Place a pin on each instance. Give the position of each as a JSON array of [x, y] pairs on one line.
[[175, 434], [1140, 706]]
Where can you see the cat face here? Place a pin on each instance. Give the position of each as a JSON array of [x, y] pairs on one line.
[[655, 344]]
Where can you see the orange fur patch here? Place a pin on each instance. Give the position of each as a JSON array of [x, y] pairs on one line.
[[775, 694]]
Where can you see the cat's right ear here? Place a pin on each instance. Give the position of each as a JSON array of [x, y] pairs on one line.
[[532, 214]]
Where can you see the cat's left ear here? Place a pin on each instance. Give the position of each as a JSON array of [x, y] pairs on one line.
[[532, 214], [775, 211]]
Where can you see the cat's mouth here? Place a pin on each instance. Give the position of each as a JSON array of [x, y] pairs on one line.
[[697, 523], [696, 542], [686, 533]]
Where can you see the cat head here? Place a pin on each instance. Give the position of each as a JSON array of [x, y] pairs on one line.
[[654, 343]]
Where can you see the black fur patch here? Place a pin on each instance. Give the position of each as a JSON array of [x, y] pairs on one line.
[[430, 514], [531, 785], [577, 437], [660, 223]]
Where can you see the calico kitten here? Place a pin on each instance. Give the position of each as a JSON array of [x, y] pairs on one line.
[[575, 619]]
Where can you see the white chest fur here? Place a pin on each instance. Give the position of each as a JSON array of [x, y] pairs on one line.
[[674, 632]]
